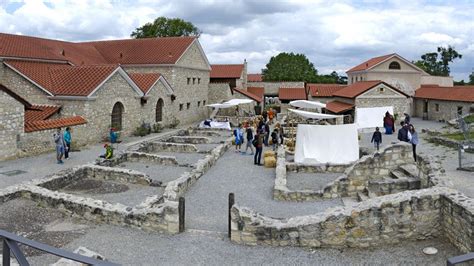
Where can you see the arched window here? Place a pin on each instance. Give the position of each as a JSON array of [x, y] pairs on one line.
[[116, 118], [394, 65], [159, 110]]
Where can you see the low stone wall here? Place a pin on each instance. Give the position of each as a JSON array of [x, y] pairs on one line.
[[448, 143], [150, 147], [132, 156], [390, 219], [191, 131], [189, 139]]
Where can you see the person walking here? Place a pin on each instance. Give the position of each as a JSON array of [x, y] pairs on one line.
[[238, 138], [249, 136], [407, 118], [403, 132], [258, 147], [388, 123], [60, 145], [275, 139], [264, 115], [67, 139], [267, 133], [376, 138], [280, 132], [414, 140]]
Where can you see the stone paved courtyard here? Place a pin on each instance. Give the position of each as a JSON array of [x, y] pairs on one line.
[[205, 239]]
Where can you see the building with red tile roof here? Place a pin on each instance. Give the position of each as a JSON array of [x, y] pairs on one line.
[[317, 90], [249, 95], [254, 77], [228, 71], [338, 107], [259, 91], [290, 94]]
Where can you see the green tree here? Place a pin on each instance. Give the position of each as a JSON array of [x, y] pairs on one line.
[[290, 67], [437, 63], [471, 79], [166, 27]]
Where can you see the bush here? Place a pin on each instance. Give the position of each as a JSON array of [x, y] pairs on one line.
[[157, 128], [142, 130], [174, 122]]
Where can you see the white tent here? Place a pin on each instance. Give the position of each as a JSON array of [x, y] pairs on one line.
[[307, 104], [230, 103], [371, 117], [313, 115]]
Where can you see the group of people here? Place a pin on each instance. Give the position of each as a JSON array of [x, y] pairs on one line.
[[269, 115], [406, 133], [62, 142], [257, 134]]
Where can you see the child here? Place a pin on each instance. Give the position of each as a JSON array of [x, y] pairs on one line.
[[376, 138], [275, 139], [109, 152]]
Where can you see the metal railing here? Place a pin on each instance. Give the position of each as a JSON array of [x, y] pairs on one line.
[[460, 259], [10, 244]]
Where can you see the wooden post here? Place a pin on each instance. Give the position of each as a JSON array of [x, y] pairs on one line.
[[181, 208], [231, 203]]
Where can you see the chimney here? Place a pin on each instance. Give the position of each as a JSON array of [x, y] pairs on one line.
[[63, 53]]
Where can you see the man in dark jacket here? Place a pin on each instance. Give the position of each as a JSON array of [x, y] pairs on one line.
[[403, 132], [267, 133], [259, 147], [377, 138]]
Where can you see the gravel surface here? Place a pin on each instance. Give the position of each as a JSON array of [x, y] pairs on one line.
[[309, 181], [207, 200], [129, 246], [184, 158], [163, 173], [134, 195]]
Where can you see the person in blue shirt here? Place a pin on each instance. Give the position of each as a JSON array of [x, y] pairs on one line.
[[67, 139], [414, 140], [112, 136]]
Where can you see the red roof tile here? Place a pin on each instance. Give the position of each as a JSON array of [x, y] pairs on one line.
[[144, 81], [456, 93], [370, 63], [292, 94], [249, 95], [254, 77], [40, 112], [227, 71], [338, 107], [323, 90], [131, 51], [39, 125], [259, 91], [356, 89]]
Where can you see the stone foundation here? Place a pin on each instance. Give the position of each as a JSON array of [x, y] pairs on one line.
[[189, 140], [150, 147]]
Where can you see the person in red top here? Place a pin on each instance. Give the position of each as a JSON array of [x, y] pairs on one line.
[[388, 123]]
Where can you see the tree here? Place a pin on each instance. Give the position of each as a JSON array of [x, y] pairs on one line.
[[433, 66], [166, 27], [471, 79], [289, 67]]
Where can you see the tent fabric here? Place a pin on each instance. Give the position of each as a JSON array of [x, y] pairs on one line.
[[215, 124], [320, 144], [307, 104], [371, 117], [313, 115], [230, 103]]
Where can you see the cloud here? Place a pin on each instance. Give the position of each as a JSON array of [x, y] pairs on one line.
[[334, 35]]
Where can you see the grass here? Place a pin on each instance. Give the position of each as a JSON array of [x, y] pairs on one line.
[[469, 119], [458, 136]]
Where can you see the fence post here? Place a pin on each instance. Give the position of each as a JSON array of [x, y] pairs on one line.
[[181, 208], [5, 253], [231, 203]]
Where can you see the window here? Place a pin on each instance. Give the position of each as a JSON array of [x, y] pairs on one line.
[[425, 107], [199, 80], [356, 78], [204, 102], [381, 89], [194, 80], [199, 103], [188, 105], [181, 107], [437, 107], [394, 65], [189, 81], [159, 111], [116, 117], [352, 79], [459, 110]]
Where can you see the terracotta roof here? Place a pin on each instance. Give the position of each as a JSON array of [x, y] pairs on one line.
[[226, 71], [39, 125], [249, 95], [130, 51], [338, 107], [40, 112], [324, 90], [144, 81], [254, 77], [292, 94], [64, 79], [456, 93], [356, 89], [259, 91], [370, 63]]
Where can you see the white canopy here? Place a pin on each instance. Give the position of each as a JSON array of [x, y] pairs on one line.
[[307, 104], [230, 103], [372, 116], [313, 114]]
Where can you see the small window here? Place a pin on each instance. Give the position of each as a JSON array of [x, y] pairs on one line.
[[459, 110], [188, 105], [394, 65], [204, 102], [181, 107], [381, 89], [189, 81], [352, 79], [437, 107], [356, 78], [199, 103], [194, 80], [199, 80]]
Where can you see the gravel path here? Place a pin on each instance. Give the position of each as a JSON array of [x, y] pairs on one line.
[[163, 173], [309, 181], [206, 201]]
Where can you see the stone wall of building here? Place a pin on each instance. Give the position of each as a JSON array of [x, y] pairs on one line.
[[400, 105], [12, 115], [219, 92], [438, 80], [441, 110], [271, 88]]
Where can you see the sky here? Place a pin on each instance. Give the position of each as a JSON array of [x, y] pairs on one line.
[[334, 35]]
